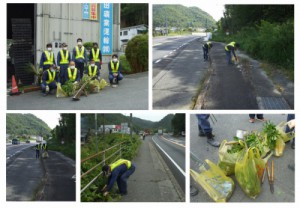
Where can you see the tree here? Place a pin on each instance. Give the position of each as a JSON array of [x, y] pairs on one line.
[[178, 123]]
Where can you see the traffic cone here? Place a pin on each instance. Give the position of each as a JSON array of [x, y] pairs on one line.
[[14, 90]]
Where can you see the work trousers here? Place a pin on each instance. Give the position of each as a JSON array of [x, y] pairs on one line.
[[122, 179], [203, 123]]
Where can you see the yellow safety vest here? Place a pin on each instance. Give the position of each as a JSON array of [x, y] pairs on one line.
[[96, 56], [112, 66], [79, 54], [120, 162], [72, 77], [49, 57], [209, 44], [92, 73], [230, 44], [64, 59], [51, 77]]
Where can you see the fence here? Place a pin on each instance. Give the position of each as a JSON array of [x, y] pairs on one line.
[[114, 152]]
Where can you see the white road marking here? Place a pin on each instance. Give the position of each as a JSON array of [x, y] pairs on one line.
[[176, 165], [157, 61], [165, 56]]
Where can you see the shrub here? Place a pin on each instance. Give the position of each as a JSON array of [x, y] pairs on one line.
[[137, 53], [125, 65]]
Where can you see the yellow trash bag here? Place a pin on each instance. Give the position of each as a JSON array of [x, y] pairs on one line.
[[103, 84], [284, 136], [248, 172], [228, 157], [279, 147], [60, 92], [213, 180]]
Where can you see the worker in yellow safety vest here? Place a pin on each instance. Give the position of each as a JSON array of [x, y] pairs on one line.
[[72, 73], [206, 48], [114, 68], [49, 79], [79, 56], [47, 58], [37, 151], [63, 60], [96, 55], [230, 50], [118, 171], [93, 70]]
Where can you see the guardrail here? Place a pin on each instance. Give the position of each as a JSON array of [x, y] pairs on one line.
[[106, 154]]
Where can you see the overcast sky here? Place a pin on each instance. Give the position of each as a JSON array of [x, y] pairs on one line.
[[148, 115], [49, 117], [213, 8]]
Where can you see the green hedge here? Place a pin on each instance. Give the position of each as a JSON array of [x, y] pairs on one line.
[[131, 146], [271, 42], [126, 69], [137, 53]]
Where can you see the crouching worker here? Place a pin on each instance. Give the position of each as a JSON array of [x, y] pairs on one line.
[[93, 70], [114, 68], [72, 73], [118, 171], [49, 79]]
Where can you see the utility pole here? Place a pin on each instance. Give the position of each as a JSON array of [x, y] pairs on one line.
[[130, 125], [103, 135], [96, 132]]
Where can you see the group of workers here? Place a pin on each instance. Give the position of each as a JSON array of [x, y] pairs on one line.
[[39, 147], [229, 51], [71, 67]]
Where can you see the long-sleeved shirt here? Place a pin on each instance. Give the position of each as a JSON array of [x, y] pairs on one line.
[[115, 64], [114, 175], [44, 58], [77, 76], [79, 60], [59, 57], [231, 48], [100, 55], [45, 77]]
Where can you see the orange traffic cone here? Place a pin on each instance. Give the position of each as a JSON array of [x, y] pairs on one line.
[[14, 90]]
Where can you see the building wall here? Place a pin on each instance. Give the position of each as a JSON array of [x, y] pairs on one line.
[[64, 23]]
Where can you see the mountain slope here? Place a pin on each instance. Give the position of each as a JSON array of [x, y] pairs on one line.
[[181, 16], [28, 124]]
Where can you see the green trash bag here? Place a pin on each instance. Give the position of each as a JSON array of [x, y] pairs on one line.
[[248, 172], [213, 180], [229, 153]]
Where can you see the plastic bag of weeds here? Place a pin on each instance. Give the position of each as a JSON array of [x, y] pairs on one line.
[[285, 136], [213, 180], [60, 92], [279, 147], [247, 175], [229, 153], [103, 84]]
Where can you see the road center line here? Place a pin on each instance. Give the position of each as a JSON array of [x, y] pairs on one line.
[[172, 141], [157, 61], [165, 56], [176, 165]]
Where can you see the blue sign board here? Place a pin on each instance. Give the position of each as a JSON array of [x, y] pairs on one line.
[[85, 11], [106, 28]]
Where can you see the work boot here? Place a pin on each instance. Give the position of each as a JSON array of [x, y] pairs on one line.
[[211, 140]]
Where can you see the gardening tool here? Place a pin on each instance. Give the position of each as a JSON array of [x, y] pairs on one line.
[[271, 176]]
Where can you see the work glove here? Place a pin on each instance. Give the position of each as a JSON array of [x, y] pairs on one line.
[[75, 82], [98, 77], [47, 89], [115, 74], [58, 67], [106, 193]]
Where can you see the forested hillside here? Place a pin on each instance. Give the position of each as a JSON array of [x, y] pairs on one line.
[[19, 124], [181, 16]]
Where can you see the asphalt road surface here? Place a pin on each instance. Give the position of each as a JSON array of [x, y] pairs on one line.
[[23, 177], [173, 152], [14, 149], [178, 69], [152, 181], [132, 93], [225, 128]]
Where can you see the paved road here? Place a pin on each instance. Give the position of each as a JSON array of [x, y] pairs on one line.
[[60, 178], [31, 179], [12, 150], [132, 93], [152, 180], [23, 177], [241, 86], [177, 77], [173, 152], [225, 128]]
